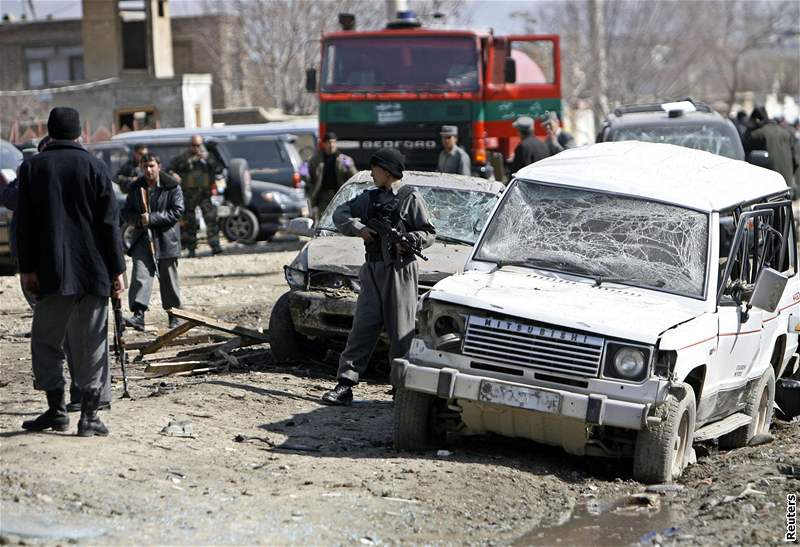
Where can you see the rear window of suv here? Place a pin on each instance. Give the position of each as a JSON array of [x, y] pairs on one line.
[[259, 153], [700, 136]]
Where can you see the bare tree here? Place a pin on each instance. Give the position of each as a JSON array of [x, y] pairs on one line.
[[656, 50]]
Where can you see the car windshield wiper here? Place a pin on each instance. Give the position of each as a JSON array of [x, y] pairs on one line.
[[556, 265], [451, 239], [599, 280]]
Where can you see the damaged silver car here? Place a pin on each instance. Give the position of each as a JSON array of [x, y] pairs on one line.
[[625, 299], [316, 314]]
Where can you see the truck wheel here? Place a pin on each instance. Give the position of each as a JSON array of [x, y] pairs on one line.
[[286, 343], [662, 450], [239, 190], [242, 227], [415, 423], [758, 406]]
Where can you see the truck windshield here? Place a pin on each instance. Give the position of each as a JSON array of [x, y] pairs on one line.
[[631, 241], [458, 215], [404, 63]]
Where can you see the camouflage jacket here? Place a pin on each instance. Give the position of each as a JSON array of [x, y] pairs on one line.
[[196, 172]]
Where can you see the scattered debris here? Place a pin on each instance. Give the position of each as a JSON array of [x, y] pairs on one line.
[[664, 488], [443, 454], [761, 438], [650, 501], [791, 470], [748, 491], [177, 428]]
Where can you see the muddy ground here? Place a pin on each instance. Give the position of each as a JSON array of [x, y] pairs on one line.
[[267, 464]]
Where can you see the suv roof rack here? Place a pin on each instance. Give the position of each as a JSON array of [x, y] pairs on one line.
[[656, 107]]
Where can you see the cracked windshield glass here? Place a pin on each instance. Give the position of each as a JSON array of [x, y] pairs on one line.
[[603, 236], [456, 214]]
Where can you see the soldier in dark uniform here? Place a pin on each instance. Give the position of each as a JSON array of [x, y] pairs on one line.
[[196, 170], [530, 149], [131, 169], [388, 278], [328, 170]]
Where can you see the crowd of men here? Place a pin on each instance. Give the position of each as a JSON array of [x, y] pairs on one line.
[[774, 135]]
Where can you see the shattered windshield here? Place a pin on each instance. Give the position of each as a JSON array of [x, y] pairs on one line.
[[704, 137], [604, 236], [456, 214]]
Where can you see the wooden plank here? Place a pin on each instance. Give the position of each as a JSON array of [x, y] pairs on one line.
[[178, 366], [208, 337], [167, 337], [220, 325]]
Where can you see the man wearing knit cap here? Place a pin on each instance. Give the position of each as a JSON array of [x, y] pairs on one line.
[[388, 278], [70, 257]]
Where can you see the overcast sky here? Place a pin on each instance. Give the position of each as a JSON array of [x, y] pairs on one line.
[[485, 13]]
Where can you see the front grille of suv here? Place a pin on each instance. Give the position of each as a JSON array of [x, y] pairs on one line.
[[537, 347]]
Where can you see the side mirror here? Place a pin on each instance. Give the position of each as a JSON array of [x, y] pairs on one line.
[[768, 290], [311, 80], [510, 70], [760, 158], [301, 227]]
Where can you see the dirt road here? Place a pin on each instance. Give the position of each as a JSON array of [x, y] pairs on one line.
[[267, 464]]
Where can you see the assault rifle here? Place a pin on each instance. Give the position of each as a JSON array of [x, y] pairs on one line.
[[119, 343], [391, 236]]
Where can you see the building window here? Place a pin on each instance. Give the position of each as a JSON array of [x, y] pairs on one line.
[[54, 65]]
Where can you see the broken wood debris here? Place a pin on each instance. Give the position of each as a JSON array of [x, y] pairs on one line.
[[214, 357]]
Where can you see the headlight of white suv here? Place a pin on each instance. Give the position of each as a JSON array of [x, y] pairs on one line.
[[626, 362]]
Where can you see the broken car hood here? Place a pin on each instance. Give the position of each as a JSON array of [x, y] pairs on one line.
[[610, 310], [345, 255]]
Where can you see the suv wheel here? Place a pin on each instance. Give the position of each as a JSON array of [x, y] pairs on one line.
[[416, 425], [239, 190], [242, 227], [662, 450], [286, 343], [758, 406]]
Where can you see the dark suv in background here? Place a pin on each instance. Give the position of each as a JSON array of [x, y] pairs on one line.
[[10, 158], [683, 123]]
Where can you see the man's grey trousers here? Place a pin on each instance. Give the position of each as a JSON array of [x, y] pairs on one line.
[[388, 298], [142, 282], [79, 322]]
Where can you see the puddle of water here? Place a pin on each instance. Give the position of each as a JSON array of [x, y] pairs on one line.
[[610, 524], [18, 522]]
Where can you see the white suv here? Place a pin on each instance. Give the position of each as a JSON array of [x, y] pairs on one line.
[[625, 299]]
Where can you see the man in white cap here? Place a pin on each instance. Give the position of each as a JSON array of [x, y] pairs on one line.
[[452, 158], [530, 149]]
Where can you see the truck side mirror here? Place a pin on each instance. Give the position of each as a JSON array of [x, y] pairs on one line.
[[510, 70], [760, 158], [768, 290], [311, 80]]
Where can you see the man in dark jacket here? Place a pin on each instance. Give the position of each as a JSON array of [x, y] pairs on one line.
[[765, 134], [530, 149], [70, 256], [165, 200], [328, 170], [389, 277]]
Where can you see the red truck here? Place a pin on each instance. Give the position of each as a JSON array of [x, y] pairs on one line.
[[397, 86]]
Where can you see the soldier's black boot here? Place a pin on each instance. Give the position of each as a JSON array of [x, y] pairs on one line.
[[173, 321], [136, 321], [191, 254], [55, 417], [89, 424], [341, 395]]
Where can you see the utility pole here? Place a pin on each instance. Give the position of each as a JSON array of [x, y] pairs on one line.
[[598, 38]]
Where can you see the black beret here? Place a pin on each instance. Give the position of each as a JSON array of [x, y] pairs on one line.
[[64, 123], [391, 160]]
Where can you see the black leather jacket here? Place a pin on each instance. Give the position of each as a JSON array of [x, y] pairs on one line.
[[166, 209]]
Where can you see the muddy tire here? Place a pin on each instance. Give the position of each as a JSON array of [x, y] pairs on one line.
[[286, 343], [758, 405], [242, 227], [662, 450], [415, 424]]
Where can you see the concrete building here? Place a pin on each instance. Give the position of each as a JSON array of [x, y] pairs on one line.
[[143, 69]]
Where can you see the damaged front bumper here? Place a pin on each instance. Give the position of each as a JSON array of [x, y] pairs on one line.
[[453, 384], [322, 313]]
